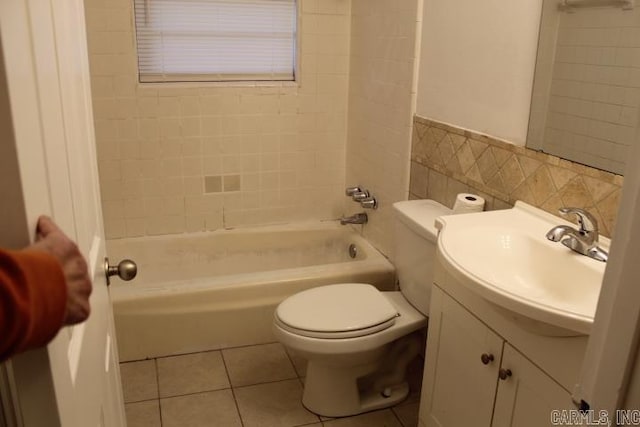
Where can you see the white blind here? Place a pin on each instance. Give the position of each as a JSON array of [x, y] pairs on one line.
[[215, 40]]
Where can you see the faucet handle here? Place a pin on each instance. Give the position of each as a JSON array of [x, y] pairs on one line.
[[369, 203], [586, 221], [350, 191], [360, 195]]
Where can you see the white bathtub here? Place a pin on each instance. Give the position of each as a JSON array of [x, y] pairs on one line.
[[205, 291]]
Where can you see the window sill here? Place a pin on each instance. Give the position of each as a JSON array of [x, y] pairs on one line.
[[201, 85]]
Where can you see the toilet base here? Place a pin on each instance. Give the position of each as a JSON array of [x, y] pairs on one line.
[[336, 390], [367, 402], [373, 401]]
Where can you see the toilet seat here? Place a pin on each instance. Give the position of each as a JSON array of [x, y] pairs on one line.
[[345, 310]]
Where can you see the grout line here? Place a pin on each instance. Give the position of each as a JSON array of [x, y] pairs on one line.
[[160, 412], [140, 401], [197, 352], [186, 354], [155, 364], [146, 359], [233, 393], [195, 393], [396, 416], [249, 345], [295, 369], [267, 382]]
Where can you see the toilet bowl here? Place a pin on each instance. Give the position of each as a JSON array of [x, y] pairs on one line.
[[357, 340]]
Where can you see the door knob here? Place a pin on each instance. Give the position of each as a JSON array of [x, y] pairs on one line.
[[126, 270]]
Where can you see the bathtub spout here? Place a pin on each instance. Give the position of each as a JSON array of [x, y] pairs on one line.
[[359, 218]]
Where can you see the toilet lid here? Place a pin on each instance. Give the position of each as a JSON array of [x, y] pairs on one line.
[[353, 308]]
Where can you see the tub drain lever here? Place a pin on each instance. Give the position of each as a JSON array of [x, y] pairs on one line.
[[126, 270]]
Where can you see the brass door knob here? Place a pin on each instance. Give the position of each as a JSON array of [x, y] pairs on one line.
[[486, 358]]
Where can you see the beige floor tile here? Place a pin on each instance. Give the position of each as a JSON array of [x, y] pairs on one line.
[[139, 380], [277, 404], [299, 363], [210, 409], [384, 418], [258, 364], [408, 414], [143, 414], [191, 373]]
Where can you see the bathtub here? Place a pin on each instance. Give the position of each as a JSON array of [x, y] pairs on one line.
[[206, 291]]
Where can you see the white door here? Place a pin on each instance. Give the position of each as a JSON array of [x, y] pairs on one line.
[[74, 381]]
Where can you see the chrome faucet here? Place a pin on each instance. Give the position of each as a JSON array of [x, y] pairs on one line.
[[584, 240], [362, 196], [359, 218]]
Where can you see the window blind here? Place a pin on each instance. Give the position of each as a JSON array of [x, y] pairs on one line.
[[216, 40]]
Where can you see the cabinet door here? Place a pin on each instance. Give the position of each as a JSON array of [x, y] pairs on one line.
[[459, 388], [527, 397]]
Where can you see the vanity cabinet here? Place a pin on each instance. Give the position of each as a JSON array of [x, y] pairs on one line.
[[474, 377], [458, 387], [527, 397]]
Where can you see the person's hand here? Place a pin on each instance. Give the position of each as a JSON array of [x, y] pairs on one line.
[[51, 239]]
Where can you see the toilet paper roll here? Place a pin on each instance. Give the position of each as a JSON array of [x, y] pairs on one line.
[[467, 203]]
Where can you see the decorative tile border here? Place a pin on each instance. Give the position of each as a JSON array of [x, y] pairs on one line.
[[506, 172]]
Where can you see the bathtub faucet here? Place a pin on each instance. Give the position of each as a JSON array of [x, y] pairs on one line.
[[359, 218]]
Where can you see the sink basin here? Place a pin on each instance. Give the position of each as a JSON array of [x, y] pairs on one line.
[[504, 257]]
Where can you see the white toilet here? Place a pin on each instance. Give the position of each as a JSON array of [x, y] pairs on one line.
[[358, 341]]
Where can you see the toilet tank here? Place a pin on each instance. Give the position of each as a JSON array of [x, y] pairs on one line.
[[415, 248]]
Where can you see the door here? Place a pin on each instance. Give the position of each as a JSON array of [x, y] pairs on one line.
[[75, 380], [462, 362], [528, 397]]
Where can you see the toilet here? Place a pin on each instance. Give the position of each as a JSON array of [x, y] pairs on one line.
[[358, 340]]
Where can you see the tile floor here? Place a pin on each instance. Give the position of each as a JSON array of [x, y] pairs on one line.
[[246, 386]]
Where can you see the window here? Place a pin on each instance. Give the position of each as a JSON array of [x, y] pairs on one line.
[[216, 40]]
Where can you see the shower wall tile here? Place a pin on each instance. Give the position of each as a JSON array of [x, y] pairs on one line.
[[382, 95], [446, 160], [278, 149]]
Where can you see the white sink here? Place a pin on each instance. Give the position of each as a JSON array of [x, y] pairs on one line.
[[505, 257]]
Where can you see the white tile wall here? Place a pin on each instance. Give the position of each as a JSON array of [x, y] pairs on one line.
[[286, 141], [382, 96], [595, 91]]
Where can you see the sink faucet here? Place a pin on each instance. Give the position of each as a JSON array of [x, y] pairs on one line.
[[584, 240], [359, 218]]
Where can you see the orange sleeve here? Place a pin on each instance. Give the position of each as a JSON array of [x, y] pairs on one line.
[[33, 295]]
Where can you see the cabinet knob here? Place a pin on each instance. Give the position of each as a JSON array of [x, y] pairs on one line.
[[486, 358], [504, 374]]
